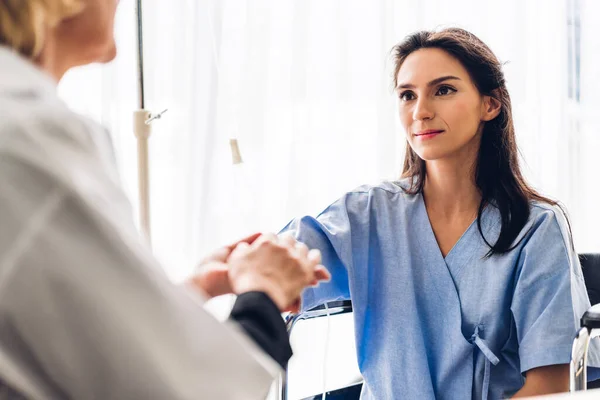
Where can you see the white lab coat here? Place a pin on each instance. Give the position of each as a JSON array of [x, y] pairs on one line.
[[85, 311]]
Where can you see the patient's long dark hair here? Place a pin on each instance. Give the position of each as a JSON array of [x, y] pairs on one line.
[[497, 172]]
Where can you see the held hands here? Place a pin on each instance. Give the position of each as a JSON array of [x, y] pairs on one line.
[[212, 275], [280, 267]]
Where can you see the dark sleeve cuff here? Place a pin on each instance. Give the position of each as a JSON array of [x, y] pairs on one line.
[[262, 321]]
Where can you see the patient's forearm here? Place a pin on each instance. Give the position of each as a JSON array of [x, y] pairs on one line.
[[545, 380]]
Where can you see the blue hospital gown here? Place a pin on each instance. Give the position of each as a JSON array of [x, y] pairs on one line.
[[455, 327]]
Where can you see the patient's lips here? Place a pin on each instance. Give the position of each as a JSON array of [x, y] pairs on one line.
[[428, 133]]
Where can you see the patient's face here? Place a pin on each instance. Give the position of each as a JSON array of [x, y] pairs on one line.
[[88, 37], [440, 107]]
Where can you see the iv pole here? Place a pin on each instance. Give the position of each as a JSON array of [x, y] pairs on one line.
[[141, 128], [142, 118]]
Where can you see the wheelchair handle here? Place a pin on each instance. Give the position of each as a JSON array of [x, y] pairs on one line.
[[590, 328]]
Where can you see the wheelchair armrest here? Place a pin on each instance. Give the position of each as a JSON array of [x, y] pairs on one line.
[[347, 393], [333, 308]]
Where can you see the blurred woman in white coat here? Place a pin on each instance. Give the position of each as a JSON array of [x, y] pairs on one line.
[[85, 312]]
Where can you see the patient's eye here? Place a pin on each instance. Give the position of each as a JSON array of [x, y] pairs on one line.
[[445, 90], [406, 95]]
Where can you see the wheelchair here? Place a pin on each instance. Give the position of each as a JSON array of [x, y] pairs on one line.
[[347, 384]]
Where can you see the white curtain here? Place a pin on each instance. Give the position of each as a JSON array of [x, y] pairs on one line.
[[305, 87]]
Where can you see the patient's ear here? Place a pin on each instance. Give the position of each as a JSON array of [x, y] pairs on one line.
[[491, 107]]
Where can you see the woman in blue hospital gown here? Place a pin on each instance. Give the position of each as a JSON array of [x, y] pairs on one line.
[[464, 280]]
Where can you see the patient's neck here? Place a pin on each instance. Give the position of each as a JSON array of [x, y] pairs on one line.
[[450, 188]]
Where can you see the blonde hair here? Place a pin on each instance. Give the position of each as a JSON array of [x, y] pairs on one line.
[[24, 23]]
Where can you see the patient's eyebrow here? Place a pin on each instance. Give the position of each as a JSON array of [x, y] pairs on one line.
[[431, 83]]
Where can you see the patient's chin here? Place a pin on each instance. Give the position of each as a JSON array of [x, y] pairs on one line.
[[431, 154]]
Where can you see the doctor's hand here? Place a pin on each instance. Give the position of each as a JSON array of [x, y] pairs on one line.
[[212, 275], [280, 267]]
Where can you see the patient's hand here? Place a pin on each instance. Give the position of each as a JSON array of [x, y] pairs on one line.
[[279, 267], [321, 274]]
